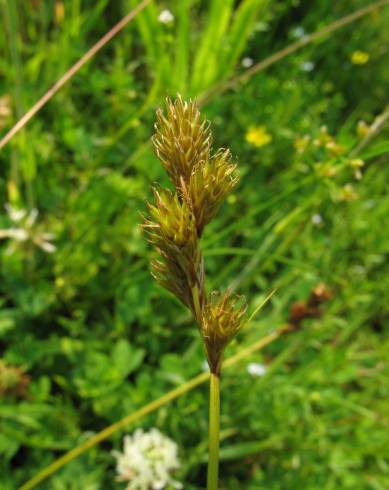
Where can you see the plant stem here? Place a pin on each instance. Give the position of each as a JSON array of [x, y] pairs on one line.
[[214, 427]]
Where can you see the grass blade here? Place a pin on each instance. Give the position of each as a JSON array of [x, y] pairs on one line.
[[242, 26], [182, 51], [207, 58]]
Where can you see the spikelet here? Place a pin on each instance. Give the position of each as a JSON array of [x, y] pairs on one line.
[[222, 320], [202, 180], [209, 185], [172, 230], [182, 140]]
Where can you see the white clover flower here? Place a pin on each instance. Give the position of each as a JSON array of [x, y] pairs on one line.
[[17, 234], [256, 369], [166, 17], [27, 230], [147, 461], [247, 62], [42, 242], [15, 214], [317, 219], [307, 66]]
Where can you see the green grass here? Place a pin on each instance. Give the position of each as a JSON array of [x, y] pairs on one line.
[[96, 336]]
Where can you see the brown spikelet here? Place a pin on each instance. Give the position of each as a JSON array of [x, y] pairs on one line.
[[182, 139], [172, 230], [222, 320], [209, 185]]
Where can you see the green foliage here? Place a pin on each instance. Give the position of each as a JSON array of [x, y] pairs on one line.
[[90, 334], [190, 63]]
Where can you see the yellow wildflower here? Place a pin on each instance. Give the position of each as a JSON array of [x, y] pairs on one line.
[[362, 129], [326, 170], [258, 136], [60, 282], [357, 163], [323, 138], [301, 143], [359, 57], [334, 148], [347, 193]]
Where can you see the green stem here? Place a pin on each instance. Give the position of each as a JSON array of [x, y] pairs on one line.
[[214, 427]]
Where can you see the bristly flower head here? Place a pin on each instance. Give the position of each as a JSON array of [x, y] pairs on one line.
[[182, 140], [209, 186], [222, 320], [202, 180], [172, 230]]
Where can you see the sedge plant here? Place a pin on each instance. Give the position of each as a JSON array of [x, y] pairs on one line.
[[176, 220]]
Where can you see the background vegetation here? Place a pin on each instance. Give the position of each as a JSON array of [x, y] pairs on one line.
[[86, 336]]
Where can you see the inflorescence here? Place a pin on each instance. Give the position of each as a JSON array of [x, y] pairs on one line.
[[202, 179]]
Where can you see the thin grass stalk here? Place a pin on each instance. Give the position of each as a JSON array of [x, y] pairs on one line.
[[214, 432]]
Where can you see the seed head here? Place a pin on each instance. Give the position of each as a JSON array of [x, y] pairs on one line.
[[202, 180], [222, 320], [209, 185], [172, 230], [182, 139]]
